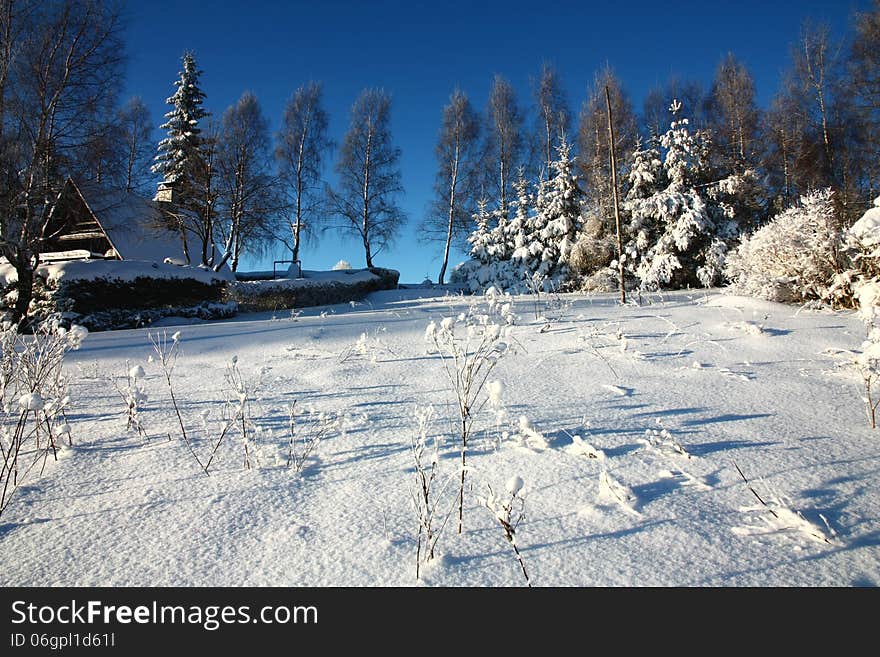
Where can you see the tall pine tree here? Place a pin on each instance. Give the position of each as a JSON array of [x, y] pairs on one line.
[[178, 159]]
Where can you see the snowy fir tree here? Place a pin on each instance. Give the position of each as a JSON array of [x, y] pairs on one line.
[[557, 219], [179, 153], [480, 238], [519, 225], [531, 248], [646, 178], [677, 243]]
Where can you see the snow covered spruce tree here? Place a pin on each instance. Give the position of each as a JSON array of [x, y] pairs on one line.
[[179, 158], [531, 249], [646, 178], [555, 224], [489, 263], [681, 228]]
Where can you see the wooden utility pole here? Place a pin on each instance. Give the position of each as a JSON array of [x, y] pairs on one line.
[[612, 150]]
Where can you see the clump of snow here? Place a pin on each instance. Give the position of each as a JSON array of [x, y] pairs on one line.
[[495, 389], [342, 265], [32, 401], [137, 372], [581, 447], [530, 437], [515, 485]]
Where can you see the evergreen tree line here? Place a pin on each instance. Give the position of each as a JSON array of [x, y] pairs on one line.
[[697, 168], [528, 182]]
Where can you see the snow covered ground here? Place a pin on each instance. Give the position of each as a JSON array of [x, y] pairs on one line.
[[672, 397]]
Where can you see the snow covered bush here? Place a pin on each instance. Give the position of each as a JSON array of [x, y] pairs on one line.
[[863, 243], [796, 257], [593, 251], [34, 399], [342, 265], [108, 294]]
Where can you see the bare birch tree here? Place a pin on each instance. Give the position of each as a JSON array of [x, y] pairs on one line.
[[594, 144], [504, 141], [733, 116], [554, 117], [300, 148], [369, 175], [247, 188], [455, 189], [135, 129]]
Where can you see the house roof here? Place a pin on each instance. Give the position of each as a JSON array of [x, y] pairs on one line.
[[133, 224]]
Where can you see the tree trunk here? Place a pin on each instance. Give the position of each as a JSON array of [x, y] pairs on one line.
[[25, 289], [613, 158], [368, 253], [450, 219]]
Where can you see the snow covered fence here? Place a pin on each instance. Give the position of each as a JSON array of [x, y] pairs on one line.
[[314, 289], [109, 294]]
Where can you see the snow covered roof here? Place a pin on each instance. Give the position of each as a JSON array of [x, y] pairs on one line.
[[133, 224]]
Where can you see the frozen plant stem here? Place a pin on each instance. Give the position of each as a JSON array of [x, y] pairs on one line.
[[425, 498], [168, 358], [468, 370], [509, 514]]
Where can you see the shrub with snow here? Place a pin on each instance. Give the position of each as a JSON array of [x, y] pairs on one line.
[[33, 402], [342, 265], [795, 257]]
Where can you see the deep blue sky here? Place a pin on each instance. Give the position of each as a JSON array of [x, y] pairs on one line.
[[420, 51]]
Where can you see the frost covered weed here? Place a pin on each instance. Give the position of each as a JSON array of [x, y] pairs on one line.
[[305, 431], [33, 401], [494, 390], [239, 395], [425, 497], [597, 338], [509, 511], [470, 347], [134, 395], [167, 354], [548, 304], [662, 441], [781, 517], [367, 346]]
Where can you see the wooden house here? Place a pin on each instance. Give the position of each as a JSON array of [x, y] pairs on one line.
[[92, 222]]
